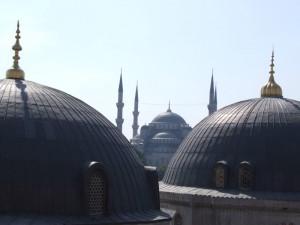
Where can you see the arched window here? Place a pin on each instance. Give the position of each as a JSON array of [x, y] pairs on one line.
[[220, 174], [245, 175], [177, 219], [97, 193]]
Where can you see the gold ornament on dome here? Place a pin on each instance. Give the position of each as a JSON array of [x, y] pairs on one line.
[[271, 89], [15, 72]]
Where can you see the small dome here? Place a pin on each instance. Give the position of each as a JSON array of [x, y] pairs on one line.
[[168, 117], [263, 134], [164, 135]]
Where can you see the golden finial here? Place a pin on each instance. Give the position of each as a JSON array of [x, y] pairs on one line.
[[271, 89], [15, 72]]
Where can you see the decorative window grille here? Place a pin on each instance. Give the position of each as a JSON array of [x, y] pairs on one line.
[[219, 176], [178, 219], [245, 176], [97, 193]]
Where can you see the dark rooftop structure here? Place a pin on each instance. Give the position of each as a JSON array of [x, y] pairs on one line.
[[263, 132], [252, 144], [239, 165], [62, 162]]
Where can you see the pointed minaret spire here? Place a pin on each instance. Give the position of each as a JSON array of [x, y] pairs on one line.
[[15, 72], [120, 105], [121, 83], [211, 91], [135, 113], [212, 106]]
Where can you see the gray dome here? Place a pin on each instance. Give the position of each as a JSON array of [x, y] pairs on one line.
[[262, 133], [168, 117], [49, 142], [164, 135]]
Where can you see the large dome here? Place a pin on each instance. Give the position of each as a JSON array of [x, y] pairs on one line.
[[51, 144], [168, 117], [261, 134]]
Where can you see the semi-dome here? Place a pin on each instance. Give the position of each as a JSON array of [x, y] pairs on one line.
[[168, 117], [59, 156]]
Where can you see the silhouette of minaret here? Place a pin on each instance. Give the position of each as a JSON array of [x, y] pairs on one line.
[[135, 113], [215, 97], [120, 105], [212, 106]]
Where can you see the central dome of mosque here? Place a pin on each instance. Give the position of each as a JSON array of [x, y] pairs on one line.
[[168, 117]]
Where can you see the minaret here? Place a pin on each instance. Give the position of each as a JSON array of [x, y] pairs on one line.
[[135, 113], [120, 105], [15, 72], [212, 106], [216, 98]]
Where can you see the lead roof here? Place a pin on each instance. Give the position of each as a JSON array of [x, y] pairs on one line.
[[46, 139], [264, 132]]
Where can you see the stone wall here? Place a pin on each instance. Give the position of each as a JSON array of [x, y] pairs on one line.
[[231, 211]]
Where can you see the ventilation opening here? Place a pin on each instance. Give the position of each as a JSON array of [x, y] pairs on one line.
[[97, 193], [219, 177], [220, 174], [245, 176]]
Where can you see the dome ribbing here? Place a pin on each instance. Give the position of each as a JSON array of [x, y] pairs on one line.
[[264, 132]]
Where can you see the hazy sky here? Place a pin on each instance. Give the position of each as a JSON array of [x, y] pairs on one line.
[[169, 47]]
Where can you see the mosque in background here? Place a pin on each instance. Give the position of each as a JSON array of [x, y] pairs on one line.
[[159, 140], [240, 165], [62, 162]]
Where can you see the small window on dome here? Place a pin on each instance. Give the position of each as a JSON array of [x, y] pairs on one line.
[[177, 219], [245, 175], [220, 174], [97, 193]]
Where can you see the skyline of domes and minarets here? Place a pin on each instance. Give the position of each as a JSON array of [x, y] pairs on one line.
[[181, 45], [63, 162], [158, 141], [212, 105]]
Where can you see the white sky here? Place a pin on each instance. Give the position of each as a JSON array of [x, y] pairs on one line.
[[168, 46]]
